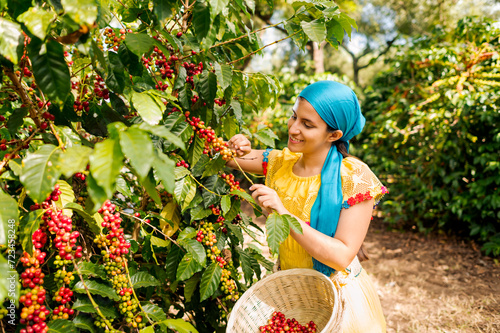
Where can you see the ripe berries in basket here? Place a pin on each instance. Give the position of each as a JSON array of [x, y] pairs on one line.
[[279, 324]]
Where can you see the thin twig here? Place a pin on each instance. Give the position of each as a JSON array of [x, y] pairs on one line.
[[106, 321], [135, 295], [53, 130], [12, 154], [263, 47]]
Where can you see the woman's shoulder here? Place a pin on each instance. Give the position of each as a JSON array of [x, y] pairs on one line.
[[283, 156], [359, 183]]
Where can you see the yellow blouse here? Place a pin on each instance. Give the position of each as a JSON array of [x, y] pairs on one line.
[[299, 193]]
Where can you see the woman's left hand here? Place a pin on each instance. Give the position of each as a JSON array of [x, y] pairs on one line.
[[268, 199]]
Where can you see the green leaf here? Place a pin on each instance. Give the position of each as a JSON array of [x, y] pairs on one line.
[[190, 286], [84, 322], [196, 150], [37, 20], [216, 7], [225, 204], [173, 259], [106, 163], [148, 107], [41, 170], [299, 37], [98, 54], [81, 11], [149, 184], [183, 187], [195, 248], [208, 87], [164, 168], [51, 72], [277, 232], [159, 242], [293, 223], [224, 74], [189, 196], [187, 267], [143, 279], [266, 136], [89, 268], [96, 288], [201, 20], [97, 194], [83, 304], [237, 110], [187, 233], [16, 120], [231, 127], [243, 195], [29, 223], [9, 215], [10, 33], [163, 132], [139, 43], [67, 195], [61, 326], [138, 147], [179, 325], [335, 33], [180, 79], [94, 226], [162, 9], [214, 166], [246, 264], [199, 213], [236, 230], [235, 209], [74, 159], [154, 312], [210, 280]]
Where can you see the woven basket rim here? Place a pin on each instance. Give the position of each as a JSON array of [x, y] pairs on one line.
[[277, 275]]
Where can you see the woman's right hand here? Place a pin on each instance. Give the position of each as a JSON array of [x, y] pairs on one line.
[[240, 144]]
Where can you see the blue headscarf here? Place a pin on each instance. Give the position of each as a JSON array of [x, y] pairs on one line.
[[338, 106]]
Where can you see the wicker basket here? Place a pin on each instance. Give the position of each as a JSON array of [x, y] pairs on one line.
[[303, 294]]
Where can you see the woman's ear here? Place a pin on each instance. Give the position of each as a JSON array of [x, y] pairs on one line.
[[335, 135]]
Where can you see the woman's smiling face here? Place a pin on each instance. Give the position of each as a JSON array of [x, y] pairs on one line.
[[307, 132]]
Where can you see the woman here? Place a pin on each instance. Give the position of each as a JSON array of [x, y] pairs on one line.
[[331, 193]]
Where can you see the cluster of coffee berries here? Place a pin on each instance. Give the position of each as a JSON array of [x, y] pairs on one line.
[[206, 236], [62, 312], [233, 184], [112, 40], [192, 69], [65, 240], [80, 176], [33, 314], [182, 163], [63, 277], [114, 249], [212, 142], [279, 323], [158, 62], [63, 296], [32, 277], [220, 102]]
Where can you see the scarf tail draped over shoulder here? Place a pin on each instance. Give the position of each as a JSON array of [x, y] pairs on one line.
[[338, 106]]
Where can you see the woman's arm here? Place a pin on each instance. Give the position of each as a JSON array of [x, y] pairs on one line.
[[336, 252], [250, 160]]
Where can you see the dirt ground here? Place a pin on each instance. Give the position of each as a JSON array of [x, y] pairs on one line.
[[432, 283]]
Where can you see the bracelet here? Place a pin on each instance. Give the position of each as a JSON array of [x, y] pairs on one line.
[[265, 160]]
